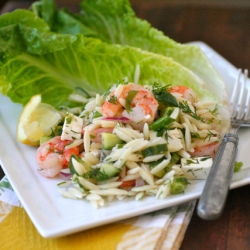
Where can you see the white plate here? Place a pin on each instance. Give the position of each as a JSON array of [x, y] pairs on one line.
[[54, 216]]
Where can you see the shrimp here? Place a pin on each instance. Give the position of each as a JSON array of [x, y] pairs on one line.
[[185, 92], [207, 150], [132, 101], [52, 156]]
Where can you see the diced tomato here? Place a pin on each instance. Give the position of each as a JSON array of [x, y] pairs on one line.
[[130, 183]]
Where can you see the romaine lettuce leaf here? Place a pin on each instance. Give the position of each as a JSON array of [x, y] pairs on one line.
[[60, 21], [115, 22], [53, 64], [23, 17]]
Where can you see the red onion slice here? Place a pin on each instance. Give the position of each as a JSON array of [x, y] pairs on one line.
[[121, 119], [139, 182], [65, 174]]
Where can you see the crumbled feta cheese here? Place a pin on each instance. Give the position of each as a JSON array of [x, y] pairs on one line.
[[72, 127], [197, 167]]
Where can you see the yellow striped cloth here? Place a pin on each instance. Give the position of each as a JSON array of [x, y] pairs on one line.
[[161, 230]]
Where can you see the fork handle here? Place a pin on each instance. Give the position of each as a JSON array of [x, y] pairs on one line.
[[213, 197]]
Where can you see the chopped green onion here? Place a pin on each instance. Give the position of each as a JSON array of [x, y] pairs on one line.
[[161, 123]]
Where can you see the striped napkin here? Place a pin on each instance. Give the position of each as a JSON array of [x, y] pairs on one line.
[[162, 229]]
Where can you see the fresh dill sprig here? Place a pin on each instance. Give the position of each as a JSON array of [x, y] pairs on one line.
[[209, 135], [215, 110], [186, 109], [195, 135]]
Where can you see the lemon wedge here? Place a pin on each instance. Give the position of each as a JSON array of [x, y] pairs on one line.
[[36, 121]]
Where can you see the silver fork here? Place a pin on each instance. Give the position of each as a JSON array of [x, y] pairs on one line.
[[213, 197]]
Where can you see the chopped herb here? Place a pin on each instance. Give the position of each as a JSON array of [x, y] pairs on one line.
[[197, 169], [163, 96], [75, 132], [186, 109], [129, 99], [209, 135], [188, 162], [61, 183], [96, 174], [105, 95], [122, 82], [210, 121], [205, 158], [68, 119], [214, 111], [113, 99], [195, 135], [166, 136], [60, 152]]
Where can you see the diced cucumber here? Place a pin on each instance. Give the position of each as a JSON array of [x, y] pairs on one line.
[[78, 166], [237, 166], [178, 185], [173, 112], [174, 159], [109, 169], [110, 140], [155, 150], [154, 164]]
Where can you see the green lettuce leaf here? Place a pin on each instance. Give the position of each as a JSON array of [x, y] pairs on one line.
[[60, 21], [115, 22], [53, 64]]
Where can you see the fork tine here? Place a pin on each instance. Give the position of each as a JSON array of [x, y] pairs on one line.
[[247, 111], [236, 96], [233, 101], [241, 104]]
